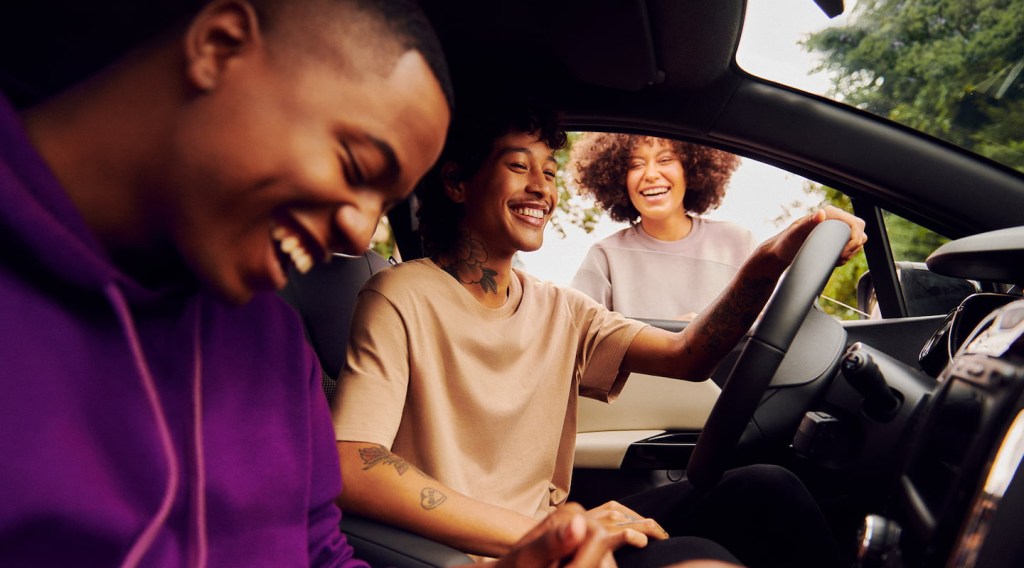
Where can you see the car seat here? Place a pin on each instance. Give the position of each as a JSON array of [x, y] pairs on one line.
[[325, 299]]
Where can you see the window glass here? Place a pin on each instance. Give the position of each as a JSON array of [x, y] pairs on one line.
[[759, 198], [383, 240], [948, 68], [925, 293], [909, 241]]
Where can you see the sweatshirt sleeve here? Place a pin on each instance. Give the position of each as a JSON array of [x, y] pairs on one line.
[[328, 547], [592, 277]]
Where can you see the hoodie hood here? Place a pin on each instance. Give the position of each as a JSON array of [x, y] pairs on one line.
[[124, 406], [42, 226], [48, 235]]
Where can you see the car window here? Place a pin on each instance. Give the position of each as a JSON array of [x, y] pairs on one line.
[[948, 68], [925, 293], [760, 198], [383, 241], [909, 241]]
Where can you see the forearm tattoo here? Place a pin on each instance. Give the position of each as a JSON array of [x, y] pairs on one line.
[[466, 264], [730, 320], [430, 498], [380, 455]]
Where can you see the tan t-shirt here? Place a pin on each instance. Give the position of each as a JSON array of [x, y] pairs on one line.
[[481, 399]]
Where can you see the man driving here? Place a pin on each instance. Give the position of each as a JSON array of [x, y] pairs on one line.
[[455, 413]]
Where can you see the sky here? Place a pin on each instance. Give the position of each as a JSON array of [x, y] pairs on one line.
[[769, 46], [759, 197]]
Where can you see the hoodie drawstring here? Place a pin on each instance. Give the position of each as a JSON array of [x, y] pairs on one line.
[[198, 477], [145, 540]]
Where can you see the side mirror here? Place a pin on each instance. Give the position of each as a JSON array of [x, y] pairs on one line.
[[925, 292]]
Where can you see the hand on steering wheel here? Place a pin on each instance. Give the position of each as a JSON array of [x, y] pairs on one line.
[[828, 243]]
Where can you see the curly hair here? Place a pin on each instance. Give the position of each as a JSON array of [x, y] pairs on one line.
[[600, 161], [470, 140]]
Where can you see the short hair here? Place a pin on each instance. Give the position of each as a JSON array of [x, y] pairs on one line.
[[70, 40], [391, 27], [470, 141], [600, 161]]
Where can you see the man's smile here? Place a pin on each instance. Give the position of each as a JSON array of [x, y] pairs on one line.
[[533, 213], [297, 244]]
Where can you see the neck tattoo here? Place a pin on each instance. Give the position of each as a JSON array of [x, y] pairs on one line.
[[465, 263]]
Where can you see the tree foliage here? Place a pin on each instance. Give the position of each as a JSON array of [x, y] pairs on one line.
[[951, 68], [839, 298], [572, 209], [908, 240]]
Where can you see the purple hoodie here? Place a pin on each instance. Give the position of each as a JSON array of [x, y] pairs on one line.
[[147, 427]]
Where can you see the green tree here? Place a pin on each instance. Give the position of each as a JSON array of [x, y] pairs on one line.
[[951, 68], [908, 240], [383, 241], [839, 298], [573, 209]]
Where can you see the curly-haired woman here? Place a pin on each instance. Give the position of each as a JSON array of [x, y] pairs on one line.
[[661, 187]]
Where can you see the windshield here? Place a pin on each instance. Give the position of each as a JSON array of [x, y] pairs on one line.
[[953, 69]]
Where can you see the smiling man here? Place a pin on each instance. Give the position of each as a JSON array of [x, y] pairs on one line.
[[160, 406], [455, 413]]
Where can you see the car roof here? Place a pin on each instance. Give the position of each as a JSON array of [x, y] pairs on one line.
[[662, 67], [668, 67]]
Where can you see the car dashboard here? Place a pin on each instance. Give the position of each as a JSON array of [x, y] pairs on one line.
[[959, 492]]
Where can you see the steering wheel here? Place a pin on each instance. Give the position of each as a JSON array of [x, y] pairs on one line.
[[764, 351]]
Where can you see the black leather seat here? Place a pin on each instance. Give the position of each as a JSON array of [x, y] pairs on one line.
[[325, 299]]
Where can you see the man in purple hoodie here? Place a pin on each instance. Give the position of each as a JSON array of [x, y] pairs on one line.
[[160, 406]]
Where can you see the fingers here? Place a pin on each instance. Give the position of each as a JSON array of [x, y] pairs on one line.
[[564, 538], [857, 234], [646, 527], [613, 508], [595, 549], [786, 244], [626, 525], [629, 537], [548, 542]]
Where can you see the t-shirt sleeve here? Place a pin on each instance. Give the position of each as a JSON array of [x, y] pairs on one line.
[[592, 277], [327, 544], [605, 337], [372, 386]]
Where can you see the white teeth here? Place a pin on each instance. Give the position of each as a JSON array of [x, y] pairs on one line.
[[291, 245], [654, 191], [529, 212], [302, 261]]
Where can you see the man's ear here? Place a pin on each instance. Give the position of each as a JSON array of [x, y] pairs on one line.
[[453, 183], [222, 30]]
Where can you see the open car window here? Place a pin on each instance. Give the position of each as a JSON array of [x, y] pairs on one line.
[[761, 199], [947, 68]]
